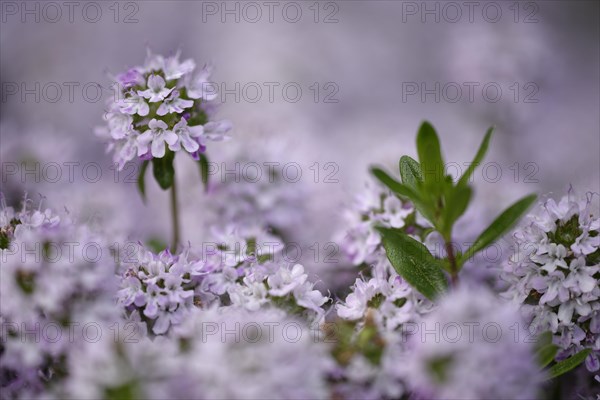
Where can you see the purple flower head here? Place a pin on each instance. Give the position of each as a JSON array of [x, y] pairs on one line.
[[156, 101], [553, 274], [132, 77]]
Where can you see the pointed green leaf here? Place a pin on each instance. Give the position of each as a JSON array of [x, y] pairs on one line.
[[394, 185], [566, 365], [546, 354], [456, 204], [403, 191], [500, 226], [430, 157], [163, 170], [410, 172], [141, 183], [413, 262], [543, 339], [545, 349], [203, 164], [464, 179]]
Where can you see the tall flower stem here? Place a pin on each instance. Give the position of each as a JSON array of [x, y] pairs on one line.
[[452, 261], [174, 216]]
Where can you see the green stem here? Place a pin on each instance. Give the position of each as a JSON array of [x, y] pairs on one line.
[[174, 216], [452, 261]]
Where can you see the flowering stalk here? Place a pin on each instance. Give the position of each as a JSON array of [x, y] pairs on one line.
[[440, 201], [554, 276], [175, 217], [452, 261], [163, 108]]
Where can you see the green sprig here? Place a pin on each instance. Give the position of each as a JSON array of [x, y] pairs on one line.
[[442, 202]]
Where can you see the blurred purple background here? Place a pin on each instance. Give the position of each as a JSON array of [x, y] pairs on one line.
[[362, 67]]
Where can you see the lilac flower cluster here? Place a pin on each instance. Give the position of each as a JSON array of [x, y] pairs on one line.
[[380, 291], [161, 103], [270, 354], [375, 206], [239, 271], [14, 223], [231, 320], [385, 297], [50, 282], [380, 301], [134, 367], [367, 361], [468, 349], [158, 288], [266, 353], [554, 275]]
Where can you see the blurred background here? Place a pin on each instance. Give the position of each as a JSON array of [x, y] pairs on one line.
[[327, 88]]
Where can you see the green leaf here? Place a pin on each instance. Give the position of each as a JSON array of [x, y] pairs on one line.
[[394, 185], [403, 191], [500, 226], [163, 170], [203, 164], [546, 354], [413, 262], [156, 244], [457, 200], [141, 183], [410, 172], [464, 179], [126, 391], [565, 366], [543, 339], [545, 349], [430, 158]]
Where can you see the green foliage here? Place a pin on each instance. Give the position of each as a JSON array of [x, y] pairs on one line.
[[163, 170], [4, 241], [565, 366], [26, 281], [431, 161], [410, 172], [126, 391], [500, 226], [350, 341], [464, 180], [141, 183], [156, 244], [545, 349], [442, 202], [439, 368], [6, 233], [414, 262], [203, 165], [403, 191]]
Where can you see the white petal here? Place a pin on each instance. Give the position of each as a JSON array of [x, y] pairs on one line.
[[586, 283], [188, 143], [156, 82], [565, 311], [161, 325], [158, 148], [170, 137], [163, 109]]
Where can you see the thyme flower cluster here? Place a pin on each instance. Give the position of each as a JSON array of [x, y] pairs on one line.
[[163, 103], [237, 270], [555, 275]]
